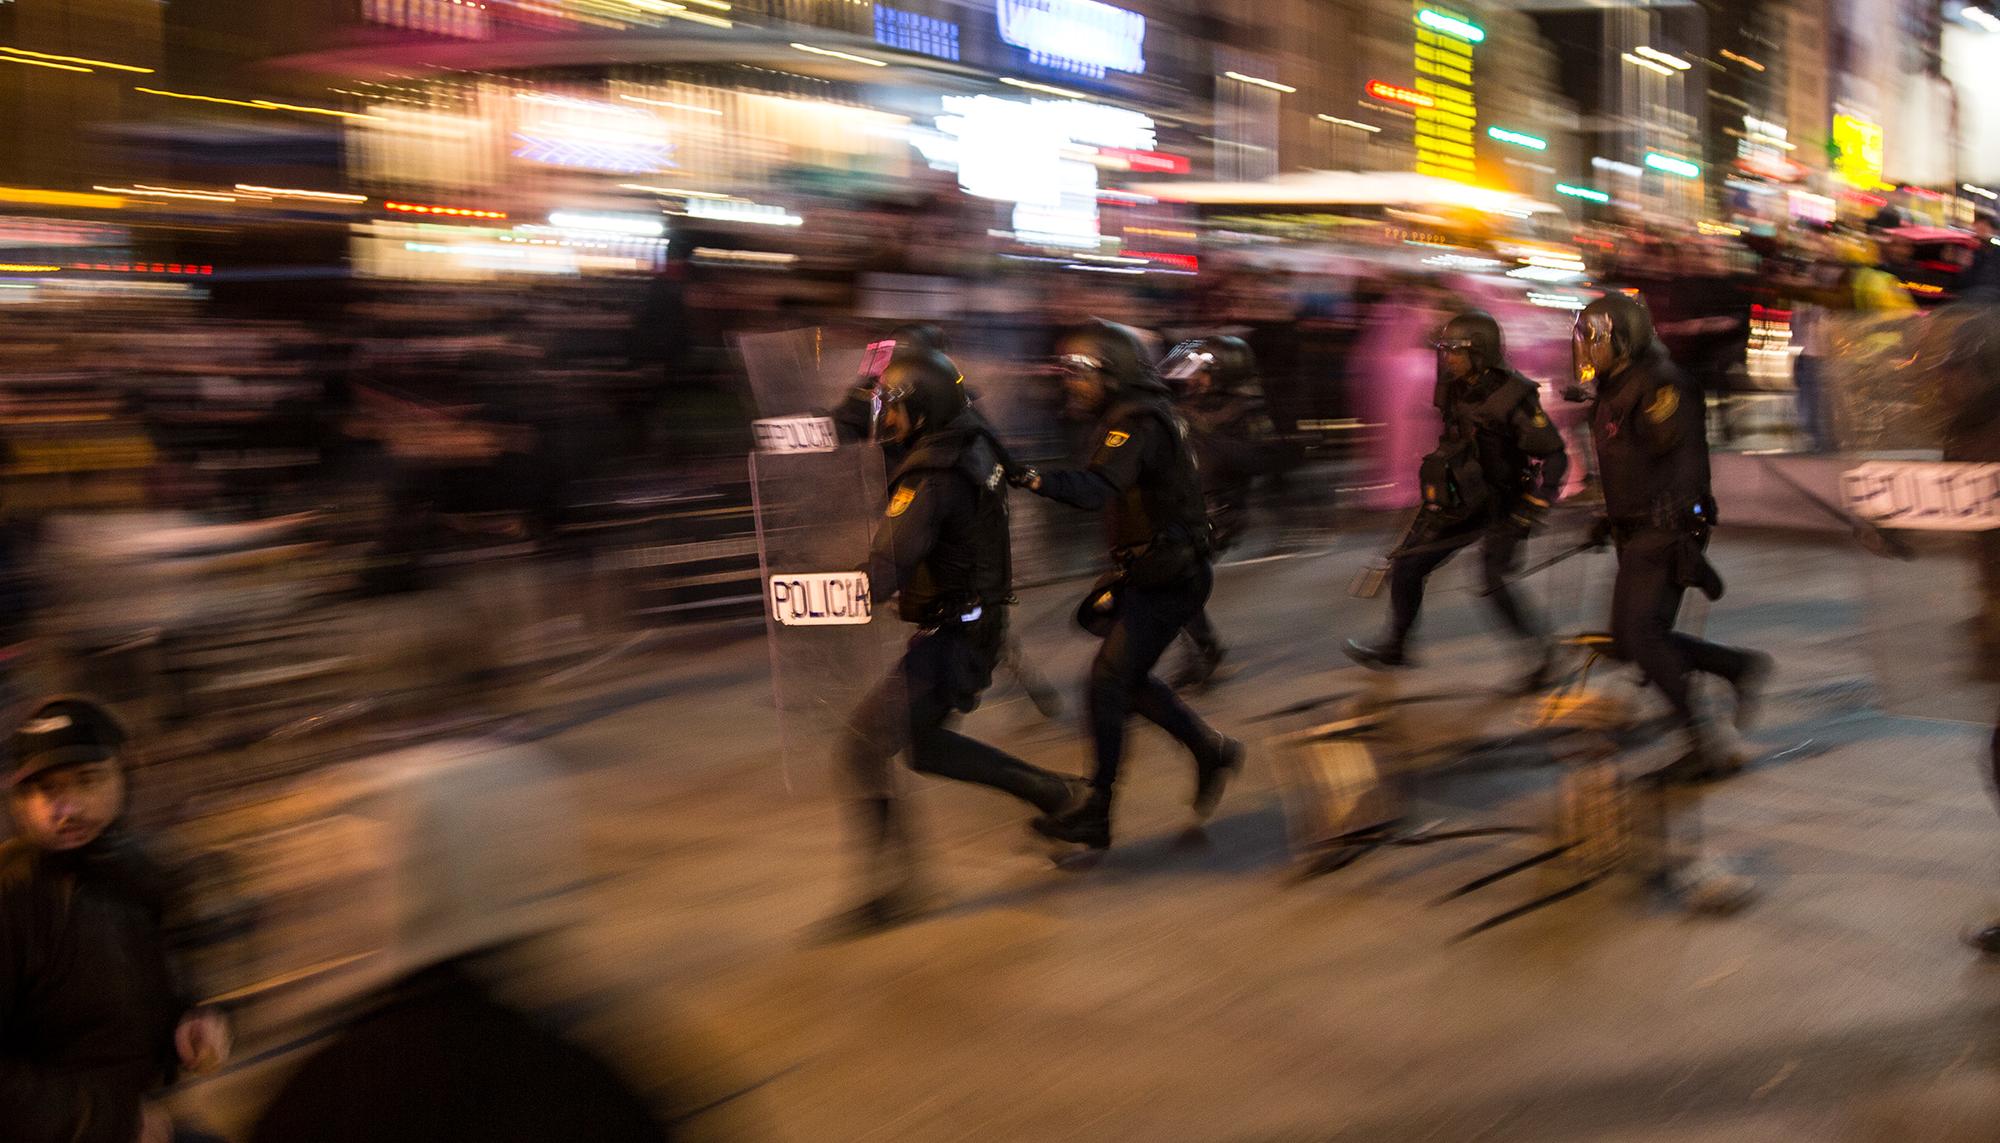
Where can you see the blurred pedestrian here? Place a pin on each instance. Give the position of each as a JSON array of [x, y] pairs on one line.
[[1234, 441], [93, 1019], [440, 1033], [1982, 278]]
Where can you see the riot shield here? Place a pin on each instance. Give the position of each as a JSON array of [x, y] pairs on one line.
[[817, 501]]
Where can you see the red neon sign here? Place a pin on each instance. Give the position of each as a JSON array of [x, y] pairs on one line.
[[1149, 162], [1394, 94]]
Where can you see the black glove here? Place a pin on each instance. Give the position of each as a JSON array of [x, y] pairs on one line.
[[1023, 476], [1575, 394], [1527, 516], [1600, 532]]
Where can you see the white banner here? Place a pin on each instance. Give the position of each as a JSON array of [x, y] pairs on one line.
[[1925, 495], [821, 599], [795, 434]]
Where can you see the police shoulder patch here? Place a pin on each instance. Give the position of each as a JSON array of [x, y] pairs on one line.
[[900, 502], [1541, 419], [1114, 438], [1666, 402]]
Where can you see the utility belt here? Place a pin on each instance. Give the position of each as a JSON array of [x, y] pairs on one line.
[[1171, 556], [960, 613], [1698, 517]]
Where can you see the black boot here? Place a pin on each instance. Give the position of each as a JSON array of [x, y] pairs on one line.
[[1384, 656], [1214, 767], [1066, 795], [1088, 824], [877, 914]]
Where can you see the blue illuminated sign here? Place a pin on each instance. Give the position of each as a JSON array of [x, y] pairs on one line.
[[1080, 36], [914, 32]]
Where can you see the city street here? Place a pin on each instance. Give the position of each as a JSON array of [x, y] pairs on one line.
[[1185, 991]]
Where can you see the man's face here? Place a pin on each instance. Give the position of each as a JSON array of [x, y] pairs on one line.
[[1457, 363], [1084, 389], [896, 424], [68, 807]]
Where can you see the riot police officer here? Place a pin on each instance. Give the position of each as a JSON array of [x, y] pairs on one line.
[[1221, 401], [943, 544], [1650, 427], [1497, 468], [1142, 473]]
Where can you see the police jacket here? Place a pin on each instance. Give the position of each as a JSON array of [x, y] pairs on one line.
[[943, 541], [88, 1004], [1144, 471], [1651, 430], [1499, 413], [1232, 435]]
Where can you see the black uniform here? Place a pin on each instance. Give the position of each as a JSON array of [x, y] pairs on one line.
[[1234, 444], [1143, 475], [1650, 427], [1499, 418], [943, 543], [1498, 466]]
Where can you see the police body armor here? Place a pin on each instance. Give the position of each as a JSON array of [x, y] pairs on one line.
[[1159, 527], [970, 569]]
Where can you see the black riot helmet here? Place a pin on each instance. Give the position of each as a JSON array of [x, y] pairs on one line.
[[1610, 334], [918, 391], [1475, 334], [1227, 362], [1101, 361]]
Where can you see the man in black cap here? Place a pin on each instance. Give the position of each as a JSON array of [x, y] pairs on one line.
[[1497, 468], [1650, 426], [1143, 475], [943, 545], [92, 1021]]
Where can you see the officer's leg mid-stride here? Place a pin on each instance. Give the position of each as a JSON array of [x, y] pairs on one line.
[[910, 713], [1122, 683], [1645, 603]]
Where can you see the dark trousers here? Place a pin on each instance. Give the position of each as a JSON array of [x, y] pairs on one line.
[[1645, 603], [1121, 677], [1499, 557], [941, 674], [1203, 633]]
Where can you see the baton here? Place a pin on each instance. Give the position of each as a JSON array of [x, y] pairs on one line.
[[1367, 582], [1876, 541], [1566, 553]]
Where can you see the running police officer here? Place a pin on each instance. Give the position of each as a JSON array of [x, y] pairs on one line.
[[1223, 405], [943, 543], [1650, 427], [1143, 472], [1497, 468]]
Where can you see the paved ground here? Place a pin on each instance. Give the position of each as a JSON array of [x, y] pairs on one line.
[[1198, 993]]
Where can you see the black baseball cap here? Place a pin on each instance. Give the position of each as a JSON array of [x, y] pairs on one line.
[[62, 731]]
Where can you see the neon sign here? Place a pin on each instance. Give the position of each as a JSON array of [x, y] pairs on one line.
[[1394, 94], [1080, 36]]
